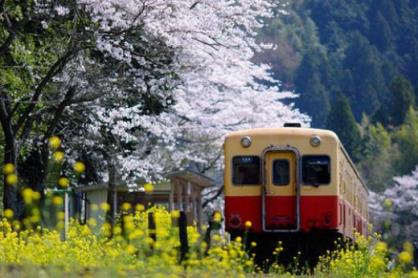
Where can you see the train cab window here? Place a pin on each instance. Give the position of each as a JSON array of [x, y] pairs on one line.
[[246, 170], [316, 170], [281, 172]]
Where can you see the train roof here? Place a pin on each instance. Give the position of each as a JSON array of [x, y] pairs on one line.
[[302, 131]]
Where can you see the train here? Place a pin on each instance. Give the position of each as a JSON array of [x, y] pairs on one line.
[[292, 183]]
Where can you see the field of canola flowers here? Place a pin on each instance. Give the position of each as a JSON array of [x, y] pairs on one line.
[[28, 249], [132, 252]]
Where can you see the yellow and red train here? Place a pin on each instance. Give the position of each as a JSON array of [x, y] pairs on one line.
[[294, 181]]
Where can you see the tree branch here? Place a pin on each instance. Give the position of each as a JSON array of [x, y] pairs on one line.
[[4, 116], [4, 48], [211, 164], [132, 25], [56, 68], [87, 98], [10, 27], [58, 112], [214, 197], [194, 5]]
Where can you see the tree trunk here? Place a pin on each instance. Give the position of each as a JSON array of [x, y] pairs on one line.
[[10, 200], [34, 168]]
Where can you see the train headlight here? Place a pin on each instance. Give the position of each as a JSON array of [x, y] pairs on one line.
[[235, 221], [246, 141], [315, 141]]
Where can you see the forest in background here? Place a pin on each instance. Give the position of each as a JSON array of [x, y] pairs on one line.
[[354, 65]]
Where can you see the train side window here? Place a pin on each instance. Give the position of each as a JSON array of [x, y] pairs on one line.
[[281, 172], [246, 170], [316, 170]]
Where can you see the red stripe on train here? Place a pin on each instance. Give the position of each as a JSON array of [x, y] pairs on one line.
[[317, 212]]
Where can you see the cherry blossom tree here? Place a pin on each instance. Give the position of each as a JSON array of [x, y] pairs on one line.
[[214, 87], [143, 86], [395, 211]]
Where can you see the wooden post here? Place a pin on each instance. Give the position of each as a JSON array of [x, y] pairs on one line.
[[188, 187], [207, 235], [199, 213], [171, 196], [179, 189], [66, 214], [151, 226], [115, 205], [184, 245]]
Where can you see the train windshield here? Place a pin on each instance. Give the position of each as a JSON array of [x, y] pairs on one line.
[[246, 170], [316, 170]]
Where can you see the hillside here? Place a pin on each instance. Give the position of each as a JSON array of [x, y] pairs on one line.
[[354, 65]]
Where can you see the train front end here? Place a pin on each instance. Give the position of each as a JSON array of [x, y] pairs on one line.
[[282, 180]]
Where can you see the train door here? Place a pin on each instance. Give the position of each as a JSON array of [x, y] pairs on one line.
[[280, 198]]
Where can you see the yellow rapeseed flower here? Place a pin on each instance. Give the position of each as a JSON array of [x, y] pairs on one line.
[[57, 201], [175, 214], [94, 207], [58, 156], [248, 224], [16, 225], [387, 204], [405, 257], [238, 239], [106, 228], [126, 206], [36, 211], [105, 206], [130, 249], [8, 168], [63, 182], [79, 167], [92, 222], [117, 230], [408, 247], [139, 207], [60, 215], [216, 237], [11, 179], [148, 187], [36, 195], [8, 213], [35, 219], [217, 217], [60, 225], [393, 275], [129, 225], [54, 142], [149, 240], [27, 195], [377, 262], [381, 247], [253, 244]]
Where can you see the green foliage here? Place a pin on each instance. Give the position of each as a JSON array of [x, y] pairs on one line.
[[367, 49], [366, 82], [380, 33], [394, 110], [315, 99], [377, 157], [407, 140], [341, 121], [311, 78], [364, 44]]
